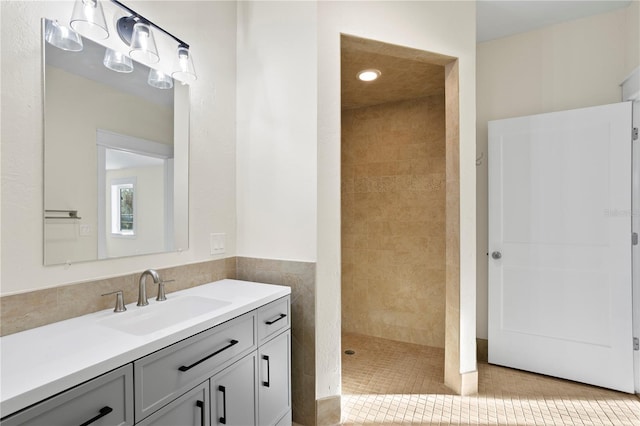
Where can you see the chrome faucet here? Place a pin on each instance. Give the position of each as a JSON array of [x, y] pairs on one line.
[[142, 289]]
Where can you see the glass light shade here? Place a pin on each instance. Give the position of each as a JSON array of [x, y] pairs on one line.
[[159, 80], [88, 19], [143, 44], [185, 72], [62, 37], [117, 61]]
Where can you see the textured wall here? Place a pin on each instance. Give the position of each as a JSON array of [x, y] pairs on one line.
[[393, 221], [276, 131]]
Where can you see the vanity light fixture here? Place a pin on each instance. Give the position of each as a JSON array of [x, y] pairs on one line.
[[62, 37], [117, 61], [369, 75], [136, 31], [88, 19]]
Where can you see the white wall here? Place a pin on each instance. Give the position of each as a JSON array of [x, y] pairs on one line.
[[276, 134], [570, 65], [442, 27], [210, 29]]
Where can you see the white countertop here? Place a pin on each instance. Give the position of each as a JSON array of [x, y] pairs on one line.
[[38, 363]]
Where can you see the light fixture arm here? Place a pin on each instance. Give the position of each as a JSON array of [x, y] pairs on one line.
[[136, 16]]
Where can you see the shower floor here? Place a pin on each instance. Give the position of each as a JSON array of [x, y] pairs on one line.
[[393, 383]]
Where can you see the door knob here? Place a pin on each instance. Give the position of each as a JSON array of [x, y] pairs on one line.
[[496, 255]]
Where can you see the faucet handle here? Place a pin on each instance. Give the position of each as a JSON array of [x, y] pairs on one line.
[[119, 301], [161, 295]]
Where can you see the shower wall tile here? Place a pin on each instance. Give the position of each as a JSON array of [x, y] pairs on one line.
[[24, 311], [393, 221]]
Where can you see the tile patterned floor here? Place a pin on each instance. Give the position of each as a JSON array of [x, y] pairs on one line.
[[393, 383]]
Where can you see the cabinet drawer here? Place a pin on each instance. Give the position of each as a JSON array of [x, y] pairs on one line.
[[164, 375], [192, 408], [274, 317], [107, 400]]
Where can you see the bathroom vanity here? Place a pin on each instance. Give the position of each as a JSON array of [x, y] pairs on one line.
[[219, 353]]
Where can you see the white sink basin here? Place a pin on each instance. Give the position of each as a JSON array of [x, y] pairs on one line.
[[141, 320]]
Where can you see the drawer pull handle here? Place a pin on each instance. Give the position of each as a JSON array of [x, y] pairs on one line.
[[200, 404], [266, 384], [103, 412], [189, 367], [223, 419], [275, 320]]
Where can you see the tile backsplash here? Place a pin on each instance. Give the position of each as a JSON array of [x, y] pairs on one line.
[[24, 311]]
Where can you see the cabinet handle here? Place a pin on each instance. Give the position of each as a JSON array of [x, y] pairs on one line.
[[200, 404], [266, 384], [189, 367], [223, 419], [275, 320], [103, 412]]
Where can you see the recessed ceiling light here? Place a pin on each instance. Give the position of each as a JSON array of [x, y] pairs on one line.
[[369, 75]]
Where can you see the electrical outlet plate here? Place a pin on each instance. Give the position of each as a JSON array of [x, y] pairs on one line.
[[217, 243]]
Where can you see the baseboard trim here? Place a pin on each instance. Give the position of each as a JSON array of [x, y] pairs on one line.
[[328, 411]]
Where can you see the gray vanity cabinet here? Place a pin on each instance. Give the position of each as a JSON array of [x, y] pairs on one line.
[[190, 409], [274, 387], [233, 397], [104, 401]]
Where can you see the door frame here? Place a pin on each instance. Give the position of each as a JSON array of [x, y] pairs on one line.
[[631, 92]]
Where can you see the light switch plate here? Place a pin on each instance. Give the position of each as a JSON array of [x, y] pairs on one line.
[[85, 230], [218, 243]]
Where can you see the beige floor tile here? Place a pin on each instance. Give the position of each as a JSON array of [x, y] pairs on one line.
[[394, 383]]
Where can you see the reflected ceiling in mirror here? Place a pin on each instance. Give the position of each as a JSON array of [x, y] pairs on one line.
[[115, 154]]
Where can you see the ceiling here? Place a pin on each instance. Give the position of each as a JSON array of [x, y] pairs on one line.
[[410, 74], [497, 19], [405, 73]]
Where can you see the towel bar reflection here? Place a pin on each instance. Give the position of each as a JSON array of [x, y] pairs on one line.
[[71, 214]]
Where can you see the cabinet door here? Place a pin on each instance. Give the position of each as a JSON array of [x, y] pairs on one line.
[[104, 401], [233, 393], [274, 382], [273, 318], [192, 408]]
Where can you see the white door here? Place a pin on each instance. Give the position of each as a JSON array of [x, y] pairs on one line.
[[560, 297]]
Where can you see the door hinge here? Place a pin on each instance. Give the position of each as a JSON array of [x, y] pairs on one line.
[[635, 133], [634, 238], [636, 344]]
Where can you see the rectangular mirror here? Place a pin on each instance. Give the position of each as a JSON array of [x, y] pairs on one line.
[[115, 159]]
